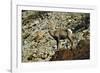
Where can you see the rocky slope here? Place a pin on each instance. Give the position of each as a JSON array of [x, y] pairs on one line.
[[38, 44]]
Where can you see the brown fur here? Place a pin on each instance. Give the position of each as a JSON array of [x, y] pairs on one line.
[[61, 34]]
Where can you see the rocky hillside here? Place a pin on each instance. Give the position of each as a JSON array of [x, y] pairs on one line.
[[39, 45]]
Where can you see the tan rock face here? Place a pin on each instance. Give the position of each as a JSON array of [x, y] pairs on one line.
[[39, 35]]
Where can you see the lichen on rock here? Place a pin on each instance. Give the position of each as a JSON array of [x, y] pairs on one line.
[[38, 44]]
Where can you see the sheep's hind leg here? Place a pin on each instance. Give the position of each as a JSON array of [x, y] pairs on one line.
[[58, 45]]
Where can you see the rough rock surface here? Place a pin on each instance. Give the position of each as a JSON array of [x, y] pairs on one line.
[[38, 45]]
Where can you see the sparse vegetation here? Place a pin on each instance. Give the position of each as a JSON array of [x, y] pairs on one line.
[[39, 45]]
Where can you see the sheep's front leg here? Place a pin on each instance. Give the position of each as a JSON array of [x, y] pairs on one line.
[[69, 36], [71, 41], [66, 43], [58, 44]]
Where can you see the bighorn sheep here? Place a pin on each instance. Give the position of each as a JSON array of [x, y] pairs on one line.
[[60, 34]]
